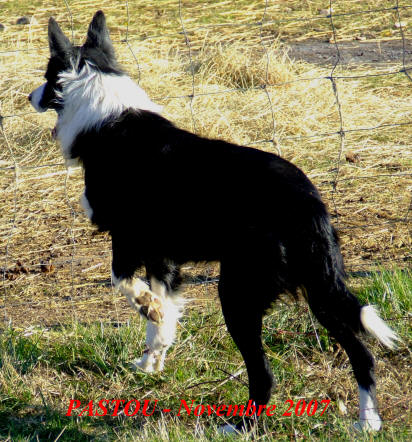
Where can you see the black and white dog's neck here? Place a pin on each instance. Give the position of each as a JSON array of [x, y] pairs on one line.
[[90, 98]]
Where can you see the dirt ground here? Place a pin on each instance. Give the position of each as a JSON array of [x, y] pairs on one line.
[[351, 52]]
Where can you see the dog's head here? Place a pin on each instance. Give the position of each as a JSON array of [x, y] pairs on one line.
[[85, 85], [97, 52]]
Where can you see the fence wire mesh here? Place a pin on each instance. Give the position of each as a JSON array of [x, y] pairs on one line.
[[266, 74]]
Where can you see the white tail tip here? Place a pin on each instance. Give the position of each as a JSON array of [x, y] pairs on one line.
[[374, 325]]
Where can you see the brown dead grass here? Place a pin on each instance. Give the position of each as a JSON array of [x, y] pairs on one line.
[[42, 223]]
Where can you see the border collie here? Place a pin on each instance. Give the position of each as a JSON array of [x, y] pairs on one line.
[[267, 227]]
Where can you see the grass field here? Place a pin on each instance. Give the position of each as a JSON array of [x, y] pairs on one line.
[[66, 334], [44, 368]]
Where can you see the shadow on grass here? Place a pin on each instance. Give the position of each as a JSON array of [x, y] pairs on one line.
[[39, 424], [43, 423]]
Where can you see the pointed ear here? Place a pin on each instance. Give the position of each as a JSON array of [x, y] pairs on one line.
[[59, 44], [98, 35]]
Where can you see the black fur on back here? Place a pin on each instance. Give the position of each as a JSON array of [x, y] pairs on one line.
[[172, 194]]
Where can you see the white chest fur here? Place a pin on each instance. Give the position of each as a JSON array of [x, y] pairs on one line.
[[89, 97]]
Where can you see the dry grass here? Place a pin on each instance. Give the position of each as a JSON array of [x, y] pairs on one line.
[[373, 191], [42, 222]]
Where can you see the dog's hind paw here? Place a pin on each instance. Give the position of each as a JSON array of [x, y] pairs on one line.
[[368, 425], [228, 429]]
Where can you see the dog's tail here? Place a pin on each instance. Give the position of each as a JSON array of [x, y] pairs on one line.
[[326, 291], [374, 325]]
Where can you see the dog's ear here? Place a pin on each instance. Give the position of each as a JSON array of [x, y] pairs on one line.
[[98, 35], [59, 44]]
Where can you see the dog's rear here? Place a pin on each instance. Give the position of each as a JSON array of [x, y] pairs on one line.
[[338, 310], [309, 257]]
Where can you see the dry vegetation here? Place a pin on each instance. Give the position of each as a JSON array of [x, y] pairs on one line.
[[42, 220], [56, 268]]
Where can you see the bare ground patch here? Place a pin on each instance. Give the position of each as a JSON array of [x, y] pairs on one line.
[[377, 53]]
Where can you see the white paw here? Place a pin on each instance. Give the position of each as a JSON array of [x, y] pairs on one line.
[[141, 298], [368, 425], [142, 364], [227, 429], [158, 365], [150, 362]]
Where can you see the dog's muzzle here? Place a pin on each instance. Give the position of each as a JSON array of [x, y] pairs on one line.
[[35, 98]]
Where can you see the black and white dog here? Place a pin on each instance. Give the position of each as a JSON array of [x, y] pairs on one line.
[[266, 224]]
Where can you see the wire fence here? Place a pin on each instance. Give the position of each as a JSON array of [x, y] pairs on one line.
[[21, 279]]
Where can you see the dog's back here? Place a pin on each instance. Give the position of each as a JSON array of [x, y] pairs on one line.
[[185, 187]]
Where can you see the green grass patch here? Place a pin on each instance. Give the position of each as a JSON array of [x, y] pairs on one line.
[[43, 369]]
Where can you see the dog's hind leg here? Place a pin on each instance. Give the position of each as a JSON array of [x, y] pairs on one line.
[[241, 299], [340, 312], [342, 315]]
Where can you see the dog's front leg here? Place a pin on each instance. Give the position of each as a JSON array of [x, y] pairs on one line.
[[159, 337], [151, 306], [140, 297], [125, 263], [159, 304]]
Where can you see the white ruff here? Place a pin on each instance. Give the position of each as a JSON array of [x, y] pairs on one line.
[[377, 327], [90, 96]]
